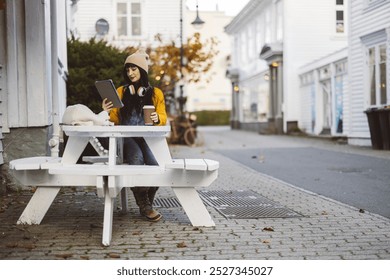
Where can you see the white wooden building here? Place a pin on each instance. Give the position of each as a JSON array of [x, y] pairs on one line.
[[126, 23], [369, 60], [33, 70], [271, 40]]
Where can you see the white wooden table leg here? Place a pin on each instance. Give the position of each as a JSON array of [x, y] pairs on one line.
[[44, 196], [193, 206], [160, 149], [38, 205], [112, 151], [74, 148], [108, 217]]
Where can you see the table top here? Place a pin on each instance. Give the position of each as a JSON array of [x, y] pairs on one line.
[[116, 131]]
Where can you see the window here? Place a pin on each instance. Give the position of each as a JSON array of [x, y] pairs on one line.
[[267, 35], [242, 48], [324, 73], [259, 35], [341, 67], [307, 78], [377, 56], [251, 47], [128, 18], [340, 22], [279, 21]]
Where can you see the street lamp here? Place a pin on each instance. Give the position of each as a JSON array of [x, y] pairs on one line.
[[197, 23]]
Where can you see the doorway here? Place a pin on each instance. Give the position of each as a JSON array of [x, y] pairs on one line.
[[326, 107]]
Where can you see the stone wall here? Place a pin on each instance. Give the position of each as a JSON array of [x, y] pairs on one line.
[[20, 143]]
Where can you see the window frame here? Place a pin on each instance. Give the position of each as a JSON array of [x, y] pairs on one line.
[[279, 21], [129, 16], [340, 8], [377, 71]]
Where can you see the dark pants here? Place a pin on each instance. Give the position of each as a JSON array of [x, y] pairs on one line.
[[137, 152]]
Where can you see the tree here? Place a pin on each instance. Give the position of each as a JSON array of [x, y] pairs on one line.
[[88, 62]]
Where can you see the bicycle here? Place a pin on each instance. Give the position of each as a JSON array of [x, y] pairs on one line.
[[183, 130]]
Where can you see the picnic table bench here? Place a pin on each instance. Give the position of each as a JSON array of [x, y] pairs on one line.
[[49, 174]]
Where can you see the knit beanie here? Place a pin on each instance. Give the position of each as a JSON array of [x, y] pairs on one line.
[[139, 58]]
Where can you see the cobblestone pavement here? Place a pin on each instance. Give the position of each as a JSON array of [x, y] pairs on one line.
[[72, 228]]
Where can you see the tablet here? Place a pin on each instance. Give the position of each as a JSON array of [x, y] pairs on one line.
[[107, 90]]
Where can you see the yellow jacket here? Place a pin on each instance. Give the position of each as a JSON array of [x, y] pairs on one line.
[[158, 102]]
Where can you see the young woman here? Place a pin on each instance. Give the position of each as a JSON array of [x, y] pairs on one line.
[[134, 95]]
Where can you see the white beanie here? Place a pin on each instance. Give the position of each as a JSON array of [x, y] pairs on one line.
[[139, 58]]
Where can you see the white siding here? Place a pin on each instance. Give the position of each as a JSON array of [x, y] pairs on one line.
[[306, 108], [28, 63], [161, 17], [27, 95], [364, 21], [308, 34], [249, 62], [164, 17], [88, 12]]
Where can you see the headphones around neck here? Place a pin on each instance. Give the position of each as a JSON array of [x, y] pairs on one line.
[[141, 91]]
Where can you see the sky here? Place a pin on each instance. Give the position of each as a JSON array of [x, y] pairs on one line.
[[230, 7]]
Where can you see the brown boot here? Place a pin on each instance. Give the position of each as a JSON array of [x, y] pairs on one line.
[[145, 207]]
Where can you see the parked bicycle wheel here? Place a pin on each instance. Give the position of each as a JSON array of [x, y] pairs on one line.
[[190, 136]]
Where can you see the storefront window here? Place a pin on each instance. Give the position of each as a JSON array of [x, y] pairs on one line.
[[383, 73], [377, 56]]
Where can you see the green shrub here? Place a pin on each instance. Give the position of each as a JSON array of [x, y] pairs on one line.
[[88, 62], [212, 117]]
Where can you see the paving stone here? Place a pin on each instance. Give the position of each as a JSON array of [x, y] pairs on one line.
[[72, 227]]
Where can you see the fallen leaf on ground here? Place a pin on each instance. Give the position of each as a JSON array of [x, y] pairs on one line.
[[181, 245], [28, 246], [96, 226], [11, 245], [63, 256], [268, 229], [114, 255]]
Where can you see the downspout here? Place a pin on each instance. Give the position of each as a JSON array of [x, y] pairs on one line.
[[55, 140]]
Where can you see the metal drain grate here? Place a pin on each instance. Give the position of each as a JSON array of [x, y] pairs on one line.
[[169, 202], [237, 204], [256, 212], [223, 198], [245, 205]]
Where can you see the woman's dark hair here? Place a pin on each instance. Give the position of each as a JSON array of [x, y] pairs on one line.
[[135, 101]]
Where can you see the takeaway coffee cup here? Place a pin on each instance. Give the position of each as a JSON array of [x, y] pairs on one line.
[[148, 109]]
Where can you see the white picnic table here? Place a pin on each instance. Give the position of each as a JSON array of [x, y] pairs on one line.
[[49, 174]]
